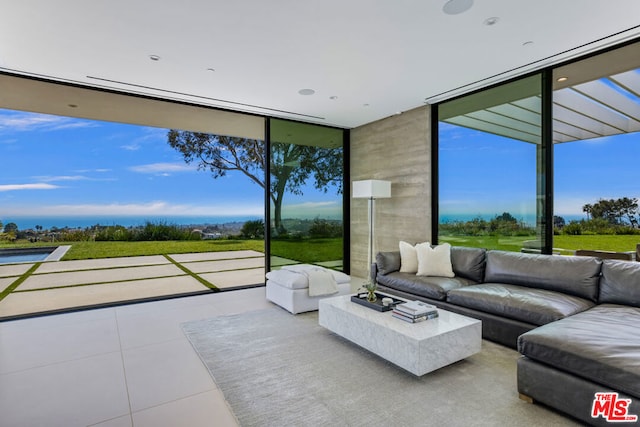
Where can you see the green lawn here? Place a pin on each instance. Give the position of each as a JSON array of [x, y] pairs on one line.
[[308, 251], [312, 250], [608, 242], [613, 243]]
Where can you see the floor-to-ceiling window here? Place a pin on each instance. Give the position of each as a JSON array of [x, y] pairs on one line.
[[546, 163], [306, 223], [596, 135], [491, 180]]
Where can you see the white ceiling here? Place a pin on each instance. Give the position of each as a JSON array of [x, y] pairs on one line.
[[377, 57]]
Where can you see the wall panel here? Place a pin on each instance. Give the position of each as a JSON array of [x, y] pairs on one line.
[[397, 149]]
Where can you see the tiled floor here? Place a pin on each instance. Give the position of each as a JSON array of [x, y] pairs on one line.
[[123, 366]]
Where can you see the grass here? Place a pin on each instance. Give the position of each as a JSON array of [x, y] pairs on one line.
[[306, 251], [505, 243], [94, 250], [613, 243], [603, 242]]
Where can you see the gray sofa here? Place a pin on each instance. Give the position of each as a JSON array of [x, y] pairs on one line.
[[575, 320]]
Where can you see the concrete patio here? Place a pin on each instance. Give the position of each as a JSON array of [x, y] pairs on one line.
[[55, 286]]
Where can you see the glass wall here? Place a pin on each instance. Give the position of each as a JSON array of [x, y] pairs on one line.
[[596, 124], [306, 195], [491, 174]]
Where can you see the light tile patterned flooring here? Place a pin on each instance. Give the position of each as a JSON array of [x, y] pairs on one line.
[[123, 366], [67, 284]]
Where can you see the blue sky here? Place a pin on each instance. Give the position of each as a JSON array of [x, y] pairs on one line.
[[484, 174], [59, 166]]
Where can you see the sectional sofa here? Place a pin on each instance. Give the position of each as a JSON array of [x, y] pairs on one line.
[[575, 320]]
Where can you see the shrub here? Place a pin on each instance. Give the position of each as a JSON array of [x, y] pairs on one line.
[[574, 228], [323, 228], [253, 229]]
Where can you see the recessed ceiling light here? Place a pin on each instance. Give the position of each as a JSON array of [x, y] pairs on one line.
[[306, 91], [365, 105], [333, 97], [562, 79], [527, 43], [491, 21], [455, 7], [154, 57], [72, 105], [211, 69]]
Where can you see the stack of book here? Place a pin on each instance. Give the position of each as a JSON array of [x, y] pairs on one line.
[[415, 311]]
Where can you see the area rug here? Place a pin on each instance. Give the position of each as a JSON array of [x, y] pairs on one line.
[[277, 369]]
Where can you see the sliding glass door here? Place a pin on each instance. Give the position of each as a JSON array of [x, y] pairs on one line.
[[491, 168], [305, 199]]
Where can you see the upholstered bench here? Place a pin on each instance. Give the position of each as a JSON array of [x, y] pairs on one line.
[[289, 287]]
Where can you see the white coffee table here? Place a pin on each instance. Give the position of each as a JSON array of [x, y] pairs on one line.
[[417, 347]]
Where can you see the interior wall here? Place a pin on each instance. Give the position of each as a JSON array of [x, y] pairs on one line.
[[396, 149]]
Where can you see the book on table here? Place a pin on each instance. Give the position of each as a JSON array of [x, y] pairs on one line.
[[416, 308], [413, 319]]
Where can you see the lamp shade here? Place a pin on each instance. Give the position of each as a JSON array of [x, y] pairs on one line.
[[371, 189]]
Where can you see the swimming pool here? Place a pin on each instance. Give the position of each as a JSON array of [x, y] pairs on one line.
[[10, 256]]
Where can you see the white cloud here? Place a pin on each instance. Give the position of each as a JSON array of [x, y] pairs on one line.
[[69, 178], [61, 178], [20, 187], [93, 170], [149, 209], [163, 168], [24, 122], [131, 147]]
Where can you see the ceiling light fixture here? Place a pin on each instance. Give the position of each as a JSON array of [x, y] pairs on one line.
[[154, 57], [306, 91], [562, 79], [491, 21], [456, 7], [211, 69], [72, 105], [527, 43], [333, 97]]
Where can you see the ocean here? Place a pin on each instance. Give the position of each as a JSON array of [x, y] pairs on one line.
[[48, 222], [529, 219]]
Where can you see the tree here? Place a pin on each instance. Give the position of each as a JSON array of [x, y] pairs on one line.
[[253, 229], [558, 221], [291, 165], [11, 227], [614, 211]]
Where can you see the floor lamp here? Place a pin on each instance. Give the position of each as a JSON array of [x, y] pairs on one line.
[[371, 189]]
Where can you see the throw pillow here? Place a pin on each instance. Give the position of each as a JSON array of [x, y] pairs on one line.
[[434, 261], [408, 258]]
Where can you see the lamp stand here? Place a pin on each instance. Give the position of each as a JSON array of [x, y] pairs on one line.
[[372, 202]]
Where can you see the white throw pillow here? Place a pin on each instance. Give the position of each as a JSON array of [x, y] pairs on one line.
[[408, 258], [434, 261]]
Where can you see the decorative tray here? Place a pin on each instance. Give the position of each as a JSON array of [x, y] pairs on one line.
[[361, 299]]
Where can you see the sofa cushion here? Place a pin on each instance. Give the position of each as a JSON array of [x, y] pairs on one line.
[[408, 258], [601, 344], [434, 261], [388, 262], [469, 262], [425, 286], [535, 306], [466, 262], [293, 277], [577, 276], [620, 283]]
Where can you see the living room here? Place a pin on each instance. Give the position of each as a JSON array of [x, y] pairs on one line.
[[143, 364]]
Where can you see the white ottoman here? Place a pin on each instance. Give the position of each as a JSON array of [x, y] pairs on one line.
[[290, 289]]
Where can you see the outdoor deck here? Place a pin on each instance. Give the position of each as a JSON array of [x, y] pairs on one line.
[[63, 285]]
